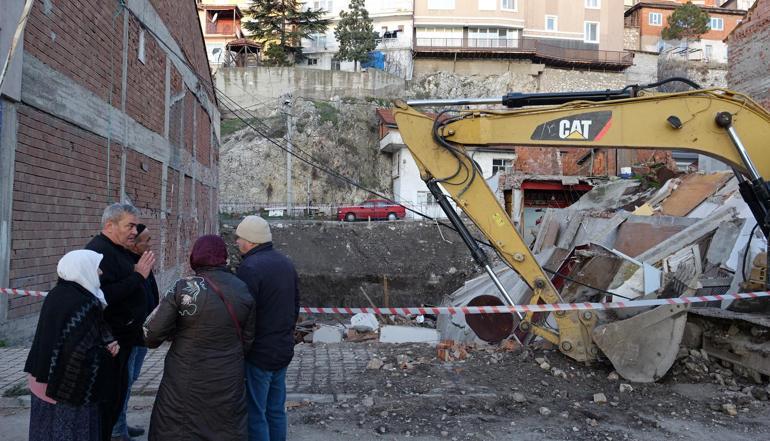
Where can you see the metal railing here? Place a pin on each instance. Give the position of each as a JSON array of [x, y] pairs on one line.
[[525, 45]]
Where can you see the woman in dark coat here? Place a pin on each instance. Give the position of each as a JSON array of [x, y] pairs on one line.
[[209, 319], [68, 362]]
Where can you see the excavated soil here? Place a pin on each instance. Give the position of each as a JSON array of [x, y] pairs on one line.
[[510, 395], [335, 260]]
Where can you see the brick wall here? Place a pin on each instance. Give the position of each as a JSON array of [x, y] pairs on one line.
[[176, 14], [749, 55], [145, 98], [80, 39], [59, 192]]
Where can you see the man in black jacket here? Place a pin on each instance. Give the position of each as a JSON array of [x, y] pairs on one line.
[[272, 280], [141, 244], [122, 282]]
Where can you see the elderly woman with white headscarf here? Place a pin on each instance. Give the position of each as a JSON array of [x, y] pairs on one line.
[[72, 343]]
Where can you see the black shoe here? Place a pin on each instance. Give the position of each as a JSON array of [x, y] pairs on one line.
[[135, 431]]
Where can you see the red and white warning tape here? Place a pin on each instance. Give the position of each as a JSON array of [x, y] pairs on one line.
[[535, 308], [550, 307]]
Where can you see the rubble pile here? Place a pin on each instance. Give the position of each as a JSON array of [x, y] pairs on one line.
[[692, 236]]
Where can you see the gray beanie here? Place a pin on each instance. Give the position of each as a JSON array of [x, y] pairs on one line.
[[254, 229]]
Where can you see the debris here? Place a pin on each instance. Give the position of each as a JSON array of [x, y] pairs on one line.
[[449, 350], [353, 335], [519, 397], [375, 364], [368, 401], [613, 376], [408, 334], [327, 334], [364, 322], [600, 398], [730, 409], [625, 387], [545, 411]]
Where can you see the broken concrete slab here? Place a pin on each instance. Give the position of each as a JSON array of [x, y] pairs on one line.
[[609, 196], [328, 334], [408, 334]]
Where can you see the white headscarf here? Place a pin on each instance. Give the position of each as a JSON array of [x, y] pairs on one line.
[[82, 267]]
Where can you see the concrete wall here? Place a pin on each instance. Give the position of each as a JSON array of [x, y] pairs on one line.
[[112, 113], [253, 86], [750, 55]]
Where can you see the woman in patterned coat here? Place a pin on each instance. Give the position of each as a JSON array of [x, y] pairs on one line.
[[209, 319]]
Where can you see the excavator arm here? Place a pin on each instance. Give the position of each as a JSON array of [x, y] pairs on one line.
[[703, 121]]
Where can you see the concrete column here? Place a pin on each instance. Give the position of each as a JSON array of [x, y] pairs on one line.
[[162, 221], [8, 128]]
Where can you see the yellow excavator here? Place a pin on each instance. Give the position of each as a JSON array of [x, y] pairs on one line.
[[708, 121]]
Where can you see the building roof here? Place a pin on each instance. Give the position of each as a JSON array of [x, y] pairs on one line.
[[669, 5]]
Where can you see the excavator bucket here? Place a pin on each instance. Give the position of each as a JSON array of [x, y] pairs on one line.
[[643, 348]]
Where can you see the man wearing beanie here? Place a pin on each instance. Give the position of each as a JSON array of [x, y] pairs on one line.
[[272, 280]]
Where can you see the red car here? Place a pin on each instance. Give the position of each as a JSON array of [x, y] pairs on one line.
[[371, 209]]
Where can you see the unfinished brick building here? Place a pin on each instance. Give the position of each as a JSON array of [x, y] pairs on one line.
[[103, 101], [750, 54]]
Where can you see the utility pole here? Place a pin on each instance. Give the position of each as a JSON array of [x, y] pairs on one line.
[[289, 150]]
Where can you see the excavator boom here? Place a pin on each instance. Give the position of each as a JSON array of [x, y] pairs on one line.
[[703, 121]]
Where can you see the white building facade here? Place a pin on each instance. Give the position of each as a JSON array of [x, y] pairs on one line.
[[392, 20]]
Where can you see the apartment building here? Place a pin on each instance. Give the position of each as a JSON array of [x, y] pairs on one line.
[[576, 33], [392, 20], [648, 18]]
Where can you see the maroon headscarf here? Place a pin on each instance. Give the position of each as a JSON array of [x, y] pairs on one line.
[[208, 251]]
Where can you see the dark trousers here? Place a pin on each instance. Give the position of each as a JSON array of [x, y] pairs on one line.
[[117, 389]]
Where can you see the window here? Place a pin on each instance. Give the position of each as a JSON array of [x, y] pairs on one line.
[[655, 19], [551, 23], [441, 4], [318, 41], [430, 36], [140, 51], [708, 52], [593, 4], [492, 37], [487, 5], [502, 165], [716, 24], [425, 198], [312, 61], [591, 32], [326, 5], [335, 64], [508, 4]]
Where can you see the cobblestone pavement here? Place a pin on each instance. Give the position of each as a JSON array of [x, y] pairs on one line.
[[319, 369]]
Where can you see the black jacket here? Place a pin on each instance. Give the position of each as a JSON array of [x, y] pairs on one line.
[[272, 280], [69, 350], [124, 290]]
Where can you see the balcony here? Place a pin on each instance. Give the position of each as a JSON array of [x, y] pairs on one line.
[[538, 50]]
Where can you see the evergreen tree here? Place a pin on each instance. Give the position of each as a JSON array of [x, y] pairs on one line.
[[355, 34], [280, 25], [688, 22]]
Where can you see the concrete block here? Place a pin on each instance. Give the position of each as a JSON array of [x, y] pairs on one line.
[[408, 334], [327, 334]]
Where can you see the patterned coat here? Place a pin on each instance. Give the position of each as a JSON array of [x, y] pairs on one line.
[[202, 394]]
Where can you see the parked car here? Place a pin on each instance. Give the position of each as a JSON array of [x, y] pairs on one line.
[[371, 209]]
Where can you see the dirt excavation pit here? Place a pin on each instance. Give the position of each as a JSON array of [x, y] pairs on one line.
[[336, 260]]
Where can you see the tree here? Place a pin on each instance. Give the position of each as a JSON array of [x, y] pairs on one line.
[[688, 22], [280, 25], [355, 34]]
